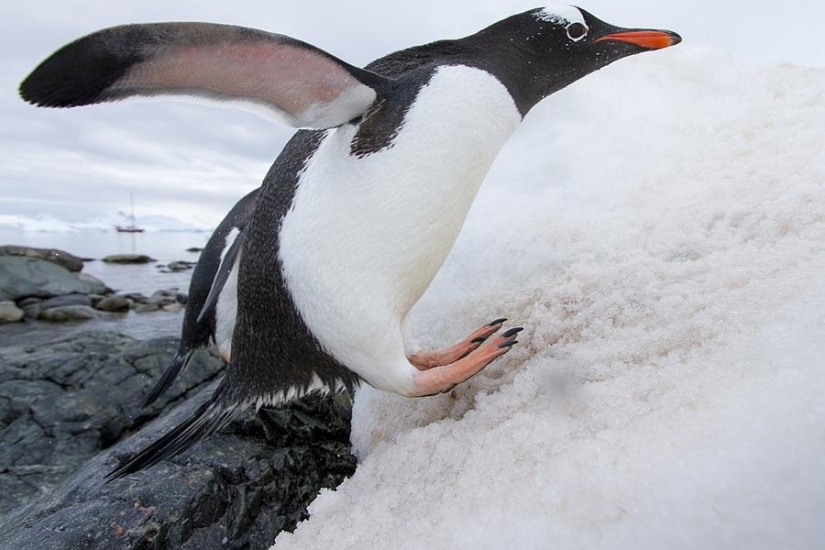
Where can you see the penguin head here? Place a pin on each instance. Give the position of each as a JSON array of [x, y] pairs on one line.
[[552, 47]]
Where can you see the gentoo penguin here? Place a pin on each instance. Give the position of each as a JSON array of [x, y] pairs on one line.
[[360, 209], [210, 309]]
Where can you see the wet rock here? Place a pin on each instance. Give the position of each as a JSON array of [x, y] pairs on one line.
[[164, 296], [136, 297], [166, 300], [10, 313], [94, 281], [128, 259], [112, 303], [66, 300], [22, 277], [29, 301], [68, 313], [59, 257], [35, 309], [180, 265], [237, 489], [62, 402], [31, 307]]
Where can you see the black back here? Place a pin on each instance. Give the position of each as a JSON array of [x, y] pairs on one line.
[[198, 328]]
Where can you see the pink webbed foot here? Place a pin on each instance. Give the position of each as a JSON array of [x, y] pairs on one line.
[[443, 378], [429, 359]]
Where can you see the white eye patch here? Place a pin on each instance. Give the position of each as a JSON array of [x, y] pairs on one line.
[[563, 15]]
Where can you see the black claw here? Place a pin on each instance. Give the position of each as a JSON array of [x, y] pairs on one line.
[[507, 344], [512, 332], [496, 322], [477, 340]]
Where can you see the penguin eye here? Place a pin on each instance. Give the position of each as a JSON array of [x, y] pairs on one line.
[[576, 31]]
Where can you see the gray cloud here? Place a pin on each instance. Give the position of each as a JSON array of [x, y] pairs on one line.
[[193, 162]]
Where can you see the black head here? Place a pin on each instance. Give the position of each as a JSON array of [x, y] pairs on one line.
[[541, 51]]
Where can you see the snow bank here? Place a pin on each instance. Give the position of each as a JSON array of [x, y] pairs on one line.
[[659, 228]]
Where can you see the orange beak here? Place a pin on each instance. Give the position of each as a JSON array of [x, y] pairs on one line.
[[649, 40]]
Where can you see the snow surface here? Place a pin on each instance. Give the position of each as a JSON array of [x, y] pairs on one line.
[[659, 228]]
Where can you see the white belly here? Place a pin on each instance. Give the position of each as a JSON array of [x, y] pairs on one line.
[[365, 236], [227, 307]]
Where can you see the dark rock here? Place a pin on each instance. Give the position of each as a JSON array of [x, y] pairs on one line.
[[32, 311], [22, 277], [237, 489], [68, 313], [128, 259], [35, 309], [94, 281], [181, 265], [145, 308], [163, 296], [136, 297], [182, 298], [59, 257], [114, 302], [66, 300], [162, 299], [10, 313], [194, 249], [29, 301], [61, 403]]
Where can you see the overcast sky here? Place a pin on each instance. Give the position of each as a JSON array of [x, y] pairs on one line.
[[193, 162]]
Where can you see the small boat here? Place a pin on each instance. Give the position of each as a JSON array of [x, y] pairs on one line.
[[131, 228]]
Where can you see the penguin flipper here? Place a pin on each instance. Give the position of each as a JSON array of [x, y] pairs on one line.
[[206, 420], [302, 85], [224, 270], [175, 368]]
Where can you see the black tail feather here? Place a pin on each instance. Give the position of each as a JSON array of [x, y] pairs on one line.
[[209, 418], [221, 276], [178, 365]]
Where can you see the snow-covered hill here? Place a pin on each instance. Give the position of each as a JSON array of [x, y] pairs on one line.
[[659, 228], [48, 223]]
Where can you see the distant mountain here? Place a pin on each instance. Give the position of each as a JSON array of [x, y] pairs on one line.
[[50, 224]]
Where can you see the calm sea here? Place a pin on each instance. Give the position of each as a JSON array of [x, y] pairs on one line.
[[162, 245]]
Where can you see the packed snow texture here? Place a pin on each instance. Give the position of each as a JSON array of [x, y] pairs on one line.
[[659, 229]]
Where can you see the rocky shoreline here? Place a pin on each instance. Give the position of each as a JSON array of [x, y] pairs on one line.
[[70, 412], [49, 285], [67, 414]]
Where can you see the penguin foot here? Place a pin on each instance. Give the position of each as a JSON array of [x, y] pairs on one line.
[[440, 379], [438, 358]]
